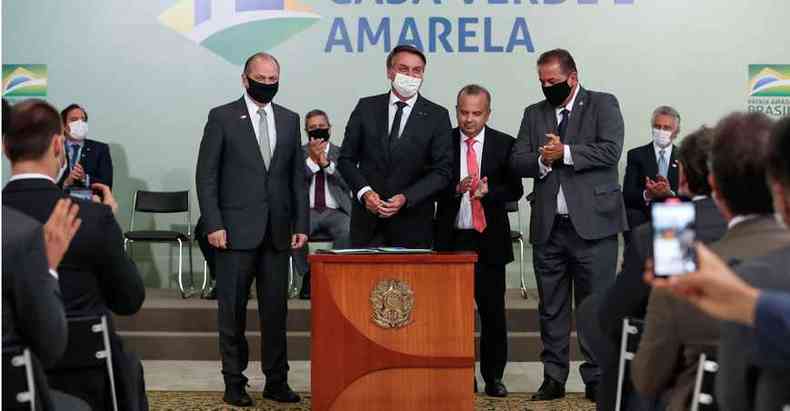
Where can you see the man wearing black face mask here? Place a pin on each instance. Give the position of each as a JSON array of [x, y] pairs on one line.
[[254, 206], [570, 145], [330, 201]]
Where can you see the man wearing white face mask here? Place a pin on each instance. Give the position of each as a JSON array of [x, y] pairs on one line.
[[651, 170], [396, 157], [89, 161]]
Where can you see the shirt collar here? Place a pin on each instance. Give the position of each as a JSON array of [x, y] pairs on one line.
[[252, 107], [478, 138], [70, 142], [29, 176], [658, 149], [409, 103], [569, 106], [698, 198], [740, 219]]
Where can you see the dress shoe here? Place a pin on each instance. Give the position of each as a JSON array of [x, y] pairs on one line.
[[549, 390], [496, 389], [591, 391], [304, 293], [210, 293], [237, 397], [281, 393]]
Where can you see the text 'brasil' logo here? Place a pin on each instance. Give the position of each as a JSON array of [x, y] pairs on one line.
[[235, 29], [24, 80], [769, 80]]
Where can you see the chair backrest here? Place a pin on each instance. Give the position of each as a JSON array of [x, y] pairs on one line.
[[705, 384], [89, 347], [19, 388], [162, 202], [629, 342]]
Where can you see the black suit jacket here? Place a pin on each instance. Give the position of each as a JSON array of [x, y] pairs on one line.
[[503, 187], [629, 294], [235, 190], [641, 163], [96, 161], [416, 165], [96, 275], [33, 314]]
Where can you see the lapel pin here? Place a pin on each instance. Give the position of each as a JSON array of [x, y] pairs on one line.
[[243, 117]]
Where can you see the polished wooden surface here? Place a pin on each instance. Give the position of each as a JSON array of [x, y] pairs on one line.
[[349, 351]]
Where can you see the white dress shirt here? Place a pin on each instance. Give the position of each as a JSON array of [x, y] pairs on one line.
[[255, 118], [464, 219], [740, 219], [562, 205], [329, 170], [393, 108], [28, 176]]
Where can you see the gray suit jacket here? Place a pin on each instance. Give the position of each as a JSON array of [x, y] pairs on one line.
[[235, 190], [676, 332], [741, 385], [591, 185], [337, 184]]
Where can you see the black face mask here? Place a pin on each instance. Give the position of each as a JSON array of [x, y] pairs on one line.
[[260, 92], [319, 133], [557, 93]]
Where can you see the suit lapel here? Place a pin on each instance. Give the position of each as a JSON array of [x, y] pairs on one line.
[[577, 112], [489, 148], [672, 173], [282, 133], [550, 117], [249, 140], [651, 163], [415, 119], [382, 120]]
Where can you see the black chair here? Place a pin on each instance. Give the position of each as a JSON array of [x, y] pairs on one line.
[[19, 387], [629, 342], [517, 236], [164, 202], [705, 384], [88, 349]]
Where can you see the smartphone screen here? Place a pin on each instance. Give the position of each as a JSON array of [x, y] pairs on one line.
[[81, 193], [673, 238]]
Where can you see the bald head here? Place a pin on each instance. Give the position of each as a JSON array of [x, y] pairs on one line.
[[261, 57]]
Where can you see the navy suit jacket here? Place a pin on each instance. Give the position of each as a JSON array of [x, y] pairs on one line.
[[96, 161]]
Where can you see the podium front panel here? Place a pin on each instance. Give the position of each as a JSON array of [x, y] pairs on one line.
[[426, 364]]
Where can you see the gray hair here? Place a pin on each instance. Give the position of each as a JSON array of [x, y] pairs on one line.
[[474, 90], [666, 111]]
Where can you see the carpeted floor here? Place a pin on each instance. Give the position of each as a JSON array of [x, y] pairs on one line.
[[199, 401]]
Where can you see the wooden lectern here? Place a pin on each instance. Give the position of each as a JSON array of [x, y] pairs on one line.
[[365, 358]]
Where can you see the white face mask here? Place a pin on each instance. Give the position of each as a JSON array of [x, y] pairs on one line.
[[662, 138], [78, 129], [406, 86]]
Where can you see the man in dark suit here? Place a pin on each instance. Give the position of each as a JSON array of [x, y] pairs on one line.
[[570, 145], [676, 332], [651, 171], [396, 158], [330, 200], [96, 275], [254, 203], [603, 313], [33, 314], [471, 216], [89, 161]]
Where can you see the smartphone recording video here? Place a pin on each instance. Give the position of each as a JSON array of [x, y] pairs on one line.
[[673, 238]]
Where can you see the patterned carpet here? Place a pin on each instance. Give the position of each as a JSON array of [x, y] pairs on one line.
[[199, 401]]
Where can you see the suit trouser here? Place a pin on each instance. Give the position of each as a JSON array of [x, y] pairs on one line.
[[331, 221], [490, 300], [235, 271], [568, 265]]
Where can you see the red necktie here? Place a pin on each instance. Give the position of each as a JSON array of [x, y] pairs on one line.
[[478, 216], [320, 191]]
